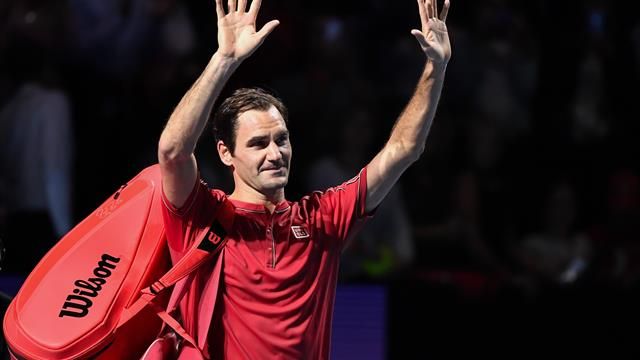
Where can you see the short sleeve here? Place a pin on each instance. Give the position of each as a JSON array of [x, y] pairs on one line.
[[183, 224], [342, 209]]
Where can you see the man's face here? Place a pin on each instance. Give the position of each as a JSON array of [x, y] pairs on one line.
[[262, 156]]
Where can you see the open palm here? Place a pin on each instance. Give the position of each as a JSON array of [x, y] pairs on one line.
[[434, 37], [237, 35]]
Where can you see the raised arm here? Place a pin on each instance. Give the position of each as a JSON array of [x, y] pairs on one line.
[[237, 40], [409, 134]]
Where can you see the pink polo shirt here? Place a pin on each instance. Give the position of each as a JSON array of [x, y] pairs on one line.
[[279, 271]]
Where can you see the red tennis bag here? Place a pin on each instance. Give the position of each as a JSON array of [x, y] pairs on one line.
[[99, 292]]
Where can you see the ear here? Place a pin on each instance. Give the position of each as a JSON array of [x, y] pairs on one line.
[[225, 153]]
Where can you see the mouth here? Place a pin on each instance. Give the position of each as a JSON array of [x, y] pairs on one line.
[[274, 169]]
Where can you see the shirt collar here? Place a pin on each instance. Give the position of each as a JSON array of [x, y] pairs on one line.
[[242, 205]]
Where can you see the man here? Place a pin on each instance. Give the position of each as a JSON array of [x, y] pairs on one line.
[[279, 266]]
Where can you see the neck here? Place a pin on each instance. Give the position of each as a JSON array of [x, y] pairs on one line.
[[250, 195]]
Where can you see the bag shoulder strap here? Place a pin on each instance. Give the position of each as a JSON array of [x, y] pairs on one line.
[[213, 239]]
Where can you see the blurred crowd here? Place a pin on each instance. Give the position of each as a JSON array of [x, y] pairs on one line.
[[529, 185]]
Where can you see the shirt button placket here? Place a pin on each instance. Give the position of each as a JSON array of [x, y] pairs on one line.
[[271, 262]]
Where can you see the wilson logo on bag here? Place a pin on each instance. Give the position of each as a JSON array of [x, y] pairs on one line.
[[78, 305]]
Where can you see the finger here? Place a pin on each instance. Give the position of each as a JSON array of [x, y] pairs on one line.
[[435, 7], [445, 11], [232, 5], [219, 9], [420, 37], [242, 5], [267, 29], [429, 8], [255, 7], [423, 13]]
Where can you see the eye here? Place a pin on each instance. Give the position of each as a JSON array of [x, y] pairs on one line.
[[282, 140], [259, 144]]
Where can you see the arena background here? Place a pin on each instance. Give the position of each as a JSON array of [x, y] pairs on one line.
[[516, 233]]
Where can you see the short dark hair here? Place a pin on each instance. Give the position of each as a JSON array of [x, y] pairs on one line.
[[225, 120]]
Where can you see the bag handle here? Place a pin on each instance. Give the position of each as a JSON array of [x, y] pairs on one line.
[[215, 237]]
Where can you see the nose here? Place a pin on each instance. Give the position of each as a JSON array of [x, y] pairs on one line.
[[273, 152]]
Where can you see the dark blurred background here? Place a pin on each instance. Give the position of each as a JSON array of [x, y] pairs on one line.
[[516, 233]]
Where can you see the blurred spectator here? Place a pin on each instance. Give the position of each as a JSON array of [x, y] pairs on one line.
[[36, 157], [461, 256], [590, 113], [113, 35], [507, 69], [36, 137], [617, 237], [559, 252]]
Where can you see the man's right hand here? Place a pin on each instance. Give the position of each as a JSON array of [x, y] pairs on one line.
[[237, 36]]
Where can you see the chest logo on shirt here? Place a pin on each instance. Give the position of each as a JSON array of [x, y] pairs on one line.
[[300, 232]]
